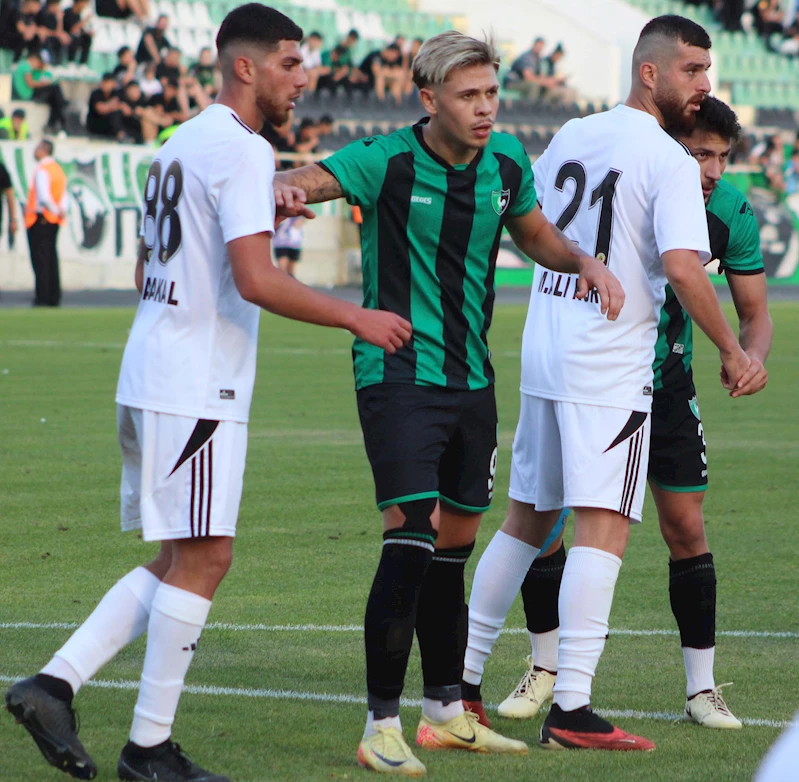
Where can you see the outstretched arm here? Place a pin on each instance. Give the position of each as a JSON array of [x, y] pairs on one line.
[[317, 183]]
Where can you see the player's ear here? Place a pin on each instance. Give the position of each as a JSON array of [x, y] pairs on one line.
[[244, 68], [648, 74], [428, 98]]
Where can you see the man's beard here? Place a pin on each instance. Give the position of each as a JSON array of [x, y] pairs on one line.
[[675, 115], [272, 113]]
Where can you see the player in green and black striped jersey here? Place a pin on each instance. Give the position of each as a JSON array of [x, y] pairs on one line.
[[435, 198], [677, 461]]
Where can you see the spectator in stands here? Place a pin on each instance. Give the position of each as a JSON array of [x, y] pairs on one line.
[[554, 87], [338, 63], [204, 71], [170, 68], [51, 22], [383, 71], [768, 18], [7, 190], [150, 86], [172, 105], [15, 127], [307, 137], [105, 114], [281, 138], [32, 81], [140, 121], [524, 75], [154, 43], [311, 51], [124, 9], [325, 126], [125, 70], [416, 44], [77, 22], [19, 30], [791, 179]]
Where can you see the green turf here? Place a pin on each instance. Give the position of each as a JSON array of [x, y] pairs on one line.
[[310, 539]]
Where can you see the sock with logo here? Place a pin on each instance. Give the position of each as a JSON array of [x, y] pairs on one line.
[[177, 618], [586, 597], [442, 627], [119, 618], [692, 590], [391, 616], [497, 581], [540, 592]]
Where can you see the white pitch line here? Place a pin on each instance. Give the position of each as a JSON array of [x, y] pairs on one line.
[[313, 628], [333, 697]]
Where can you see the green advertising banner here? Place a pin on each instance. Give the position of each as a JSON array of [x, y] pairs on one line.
[[777, 216]]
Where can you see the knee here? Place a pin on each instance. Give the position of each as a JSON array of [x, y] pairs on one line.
[[684, 533], [206, 561], [416, 517]]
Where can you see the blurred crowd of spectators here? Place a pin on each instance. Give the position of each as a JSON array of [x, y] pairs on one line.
[[777, 21], [534, 74], [384, 72]]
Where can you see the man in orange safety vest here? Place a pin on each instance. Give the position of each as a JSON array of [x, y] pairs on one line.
[[45, 213]]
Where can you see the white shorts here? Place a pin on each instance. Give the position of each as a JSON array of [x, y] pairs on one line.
[[569, 455], [181, 477]]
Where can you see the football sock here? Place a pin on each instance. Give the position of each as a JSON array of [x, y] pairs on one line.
[[119, 618], [177, 618], [470, 692], [387, 722], [586, 596], [692, 590], [442, 627], [545, 650], [439, 708], [540, 592], [56, 686], [391, 616], [497, 581]]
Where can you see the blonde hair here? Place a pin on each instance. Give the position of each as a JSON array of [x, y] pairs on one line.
[[449, 51]]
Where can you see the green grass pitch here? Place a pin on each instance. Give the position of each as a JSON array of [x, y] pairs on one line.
[[309, 540]]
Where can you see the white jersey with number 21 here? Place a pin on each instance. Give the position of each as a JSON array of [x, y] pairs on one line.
[[626, 192], [192, 347]]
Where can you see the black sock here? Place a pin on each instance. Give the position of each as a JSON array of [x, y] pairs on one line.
[[56, 687], [391, 617], [692, 589], [442, 622], [540, 590], [471, 692]]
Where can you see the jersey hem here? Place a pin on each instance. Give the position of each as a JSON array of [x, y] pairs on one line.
[[422, 495], [211, 416], [638, 408], [461, 506], [420, 385]]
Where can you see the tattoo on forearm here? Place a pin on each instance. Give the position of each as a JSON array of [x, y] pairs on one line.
[[318, 184]]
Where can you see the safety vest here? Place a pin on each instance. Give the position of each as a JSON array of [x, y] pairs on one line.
[[7, 124], [58, 186]]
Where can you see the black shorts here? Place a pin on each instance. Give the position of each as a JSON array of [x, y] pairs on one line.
[[292, 253], [428, 441], [677, 455]]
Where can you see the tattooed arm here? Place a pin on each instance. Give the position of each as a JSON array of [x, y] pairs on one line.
[[317, 183]]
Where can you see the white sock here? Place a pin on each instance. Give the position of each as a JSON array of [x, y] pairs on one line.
[[177, 618], [545, 650], [586, 596], [497, 581], [437, 712], [120, 617], [699, 669], [387, 722]]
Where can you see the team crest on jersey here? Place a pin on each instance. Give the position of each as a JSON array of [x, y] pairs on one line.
[[500, 200], [694, 405]]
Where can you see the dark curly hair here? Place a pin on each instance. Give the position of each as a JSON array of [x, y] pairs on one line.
[[259, 24], [715, 116]]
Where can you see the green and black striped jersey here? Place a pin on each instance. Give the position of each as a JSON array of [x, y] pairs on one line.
[[430, 238], [735, 242]]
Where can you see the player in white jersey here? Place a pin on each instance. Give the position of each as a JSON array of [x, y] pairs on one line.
[[618, 184], [204, 270]]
